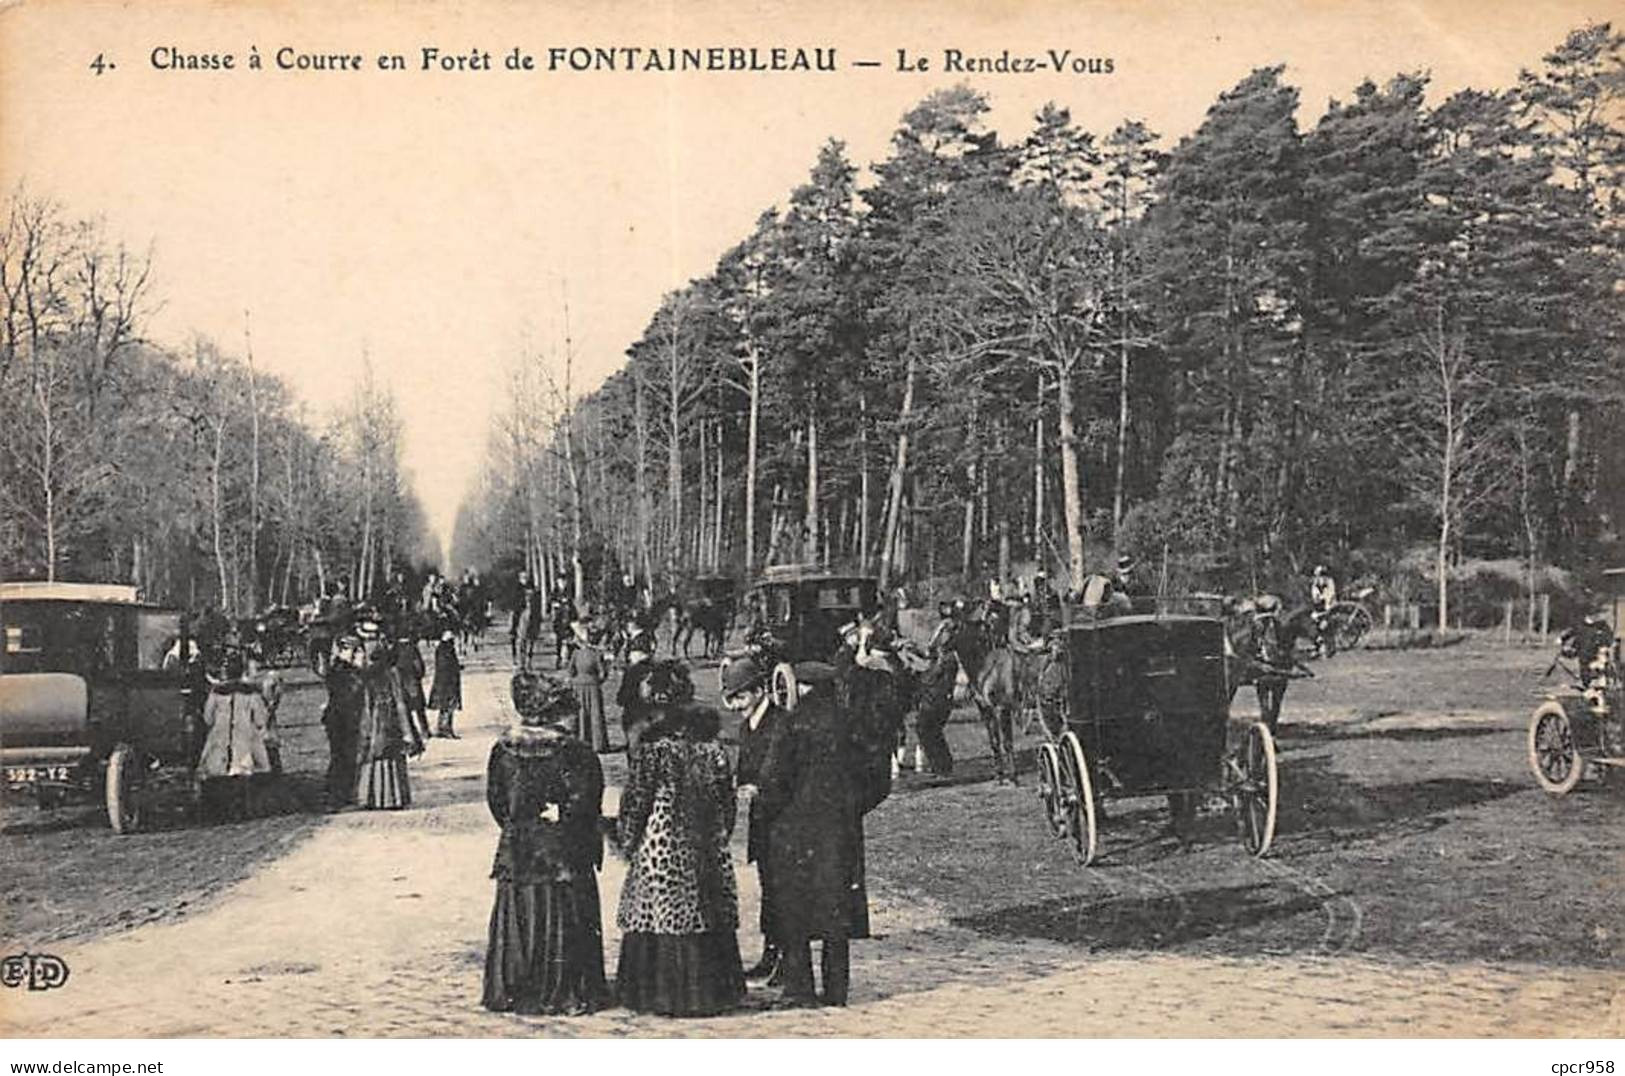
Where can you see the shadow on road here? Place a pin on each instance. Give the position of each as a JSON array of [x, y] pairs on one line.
[[1319, 801], [1292, 734], [1136, 921]]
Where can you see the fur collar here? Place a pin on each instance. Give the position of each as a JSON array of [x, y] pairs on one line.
[[534, 739]]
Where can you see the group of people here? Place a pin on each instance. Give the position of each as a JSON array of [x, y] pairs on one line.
[[802, 770], [376, 716]]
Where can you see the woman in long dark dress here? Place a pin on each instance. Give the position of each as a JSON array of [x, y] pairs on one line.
[[447, 696], [679, 910], [545, 789], [586, 665], [385, 736]]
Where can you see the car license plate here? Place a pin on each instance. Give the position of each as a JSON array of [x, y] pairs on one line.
[[33, 775]]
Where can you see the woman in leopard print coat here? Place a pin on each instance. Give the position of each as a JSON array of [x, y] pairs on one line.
[[679, 910]]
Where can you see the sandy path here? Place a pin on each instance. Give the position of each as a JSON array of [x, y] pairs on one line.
[[375, 926]]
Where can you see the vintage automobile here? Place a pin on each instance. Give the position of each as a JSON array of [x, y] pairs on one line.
[[799, 611], [1138, 705], [99, 696], [1582, 726]]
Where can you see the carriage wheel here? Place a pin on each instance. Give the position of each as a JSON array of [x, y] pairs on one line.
[[1049, 788], [124, 793], [1257, 789], [785, 690], [1553, 756], [1078, 799], [1352, 628]]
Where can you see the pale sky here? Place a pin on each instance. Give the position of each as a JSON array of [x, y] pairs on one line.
[[434, 218]]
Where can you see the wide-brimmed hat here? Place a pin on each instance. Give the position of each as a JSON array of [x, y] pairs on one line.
[[541, 699], [667, 683], [741, 672], [1125, 563]]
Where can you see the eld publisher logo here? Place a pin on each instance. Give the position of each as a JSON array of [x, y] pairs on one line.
[[36, 971]]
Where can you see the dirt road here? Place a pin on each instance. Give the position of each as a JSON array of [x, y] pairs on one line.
[[374, 925]]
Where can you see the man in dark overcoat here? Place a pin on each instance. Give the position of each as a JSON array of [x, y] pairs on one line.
[[812, 798], [341, 718], [744, 690]]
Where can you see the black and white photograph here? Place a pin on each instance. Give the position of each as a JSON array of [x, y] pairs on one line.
[[812, 520]]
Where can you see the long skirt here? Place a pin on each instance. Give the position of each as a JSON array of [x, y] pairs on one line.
[[593, 728], [448, 691], [545, 953], [680, 974], [382, 785]]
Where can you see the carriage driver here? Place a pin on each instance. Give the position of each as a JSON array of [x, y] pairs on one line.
[[1322, 596]]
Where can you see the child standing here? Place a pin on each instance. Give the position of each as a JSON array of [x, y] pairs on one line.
[[447, 696]]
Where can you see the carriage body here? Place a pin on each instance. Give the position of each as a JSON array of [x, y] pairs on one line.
[[804, 609], [1139, 705], [1146, 696], [97, 696]]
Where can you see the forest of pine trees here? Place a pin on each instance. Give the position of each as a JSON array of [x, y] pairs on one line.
[[1390, 339]]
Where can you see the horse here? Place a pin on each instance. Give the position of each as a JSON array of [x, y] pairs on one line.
[[522, 636], [473, 616], [1263, 651], [1007, 684], [651, 618], [713, 619]]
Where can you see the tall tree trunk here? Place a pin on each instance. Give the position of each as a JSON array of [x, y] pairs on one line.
[[894, 493], [1122, 426], [640, 425], [750, 458], [1038, 478], [1572, 494], [214, 494], [1446, 476], [967, 538], [702, 515], [44, 394], [254, 474], [716, 504], [863, 482], [674, 479], [1070, 477], [578, 520], [809, 527]]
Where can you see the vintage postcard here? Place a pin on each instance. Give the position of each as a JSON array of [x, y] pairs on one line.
[[812, 519]]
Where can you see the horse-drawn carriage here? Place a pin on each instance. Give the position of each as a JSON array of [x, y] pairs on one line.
[[798, 612], [1139, 705], [98, 697]]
